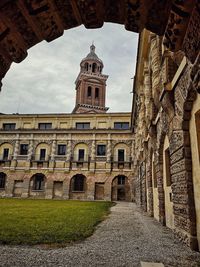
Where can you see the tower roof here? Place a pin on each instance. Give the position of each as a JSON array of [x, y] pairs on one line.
[[92, 55]]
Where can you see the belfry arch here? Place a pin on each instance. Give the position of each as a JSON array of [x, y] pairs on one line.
[[24, 23]]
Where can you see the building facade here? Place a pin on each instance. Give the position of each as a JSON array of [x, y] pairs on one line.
[[165, 117], [166, 108], [83, 155]]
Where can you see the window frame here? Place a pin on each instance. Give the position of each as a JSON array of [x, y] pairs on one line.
[[121, 125], [46, 125], [25, 153], [6, 155], [63, 152], [97, 150], [82, 124], [5, 126]]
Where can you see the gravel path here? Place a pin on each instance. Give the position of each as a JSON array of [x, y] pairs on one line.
[[124, 239]]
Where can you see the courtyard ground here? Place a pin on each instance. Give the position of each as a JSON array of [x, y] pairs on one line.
[[125, 238], [36, 221]]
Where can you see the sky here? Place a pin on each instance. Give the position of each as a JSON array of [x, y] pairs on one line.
[[44, 81]]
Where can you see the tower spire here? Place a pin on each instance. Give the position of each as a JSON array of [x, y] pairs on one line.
[[92, 48], [91, 85]]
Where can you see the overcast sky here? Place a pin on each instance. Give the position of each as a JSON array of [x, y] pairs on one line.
[[44, 81]]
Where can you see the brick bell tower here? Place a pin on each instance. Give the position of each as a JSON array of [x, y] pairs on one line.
[[91, 85]]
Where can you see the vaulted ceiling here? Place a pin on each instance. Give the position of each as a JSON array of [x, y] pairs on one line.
[[24, 23]]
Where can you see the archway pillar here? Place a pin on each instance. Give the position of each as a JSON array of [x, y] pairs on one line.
[[49, 188], [182, 188], [9, 186], [108, 190], [26, 186], [161, 196], [90, 181], [66, 188], [149, 184]]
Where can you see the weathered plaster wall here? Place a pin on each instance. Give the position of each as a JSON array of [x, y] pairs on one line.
[[195, 162], [169, 213]]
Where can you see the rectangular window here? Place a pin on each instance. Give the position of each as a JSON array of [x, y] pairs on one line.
[[101, 150], [82, 125], [45, 126], [9, 126], [121, 125], [61, 150], [5, 153], [42, 153], [121, 155], [89, 92], [96, 92], [24, 149], [81, 154]]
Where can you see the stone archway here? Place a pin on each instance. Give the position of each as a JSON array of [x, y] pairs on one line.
[[37, 185], [120, 189], [23, 23], [78, 187]]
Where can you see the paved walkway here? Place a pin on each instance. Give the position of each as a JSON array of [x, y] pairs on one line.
[[126, 238]]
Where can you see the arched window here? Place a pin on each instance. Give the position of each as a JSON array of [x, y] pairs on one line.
[[38, 182], [96, 92], [79, 181], [2, 180], [86, 66], [94, 66], [89, 92]]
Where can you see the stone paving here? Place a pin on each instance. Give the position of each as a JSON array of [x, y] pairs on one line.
[[126, 238]]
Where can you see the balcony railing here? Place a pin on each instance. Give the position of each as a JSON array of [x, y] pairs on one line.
[[5, 158], [40, 158], [76, 161]]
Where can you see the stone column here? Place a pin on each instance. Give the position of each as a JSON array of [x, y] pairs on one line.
[[93, 153], [108, 155], [30, 153], [30, 150], [66, 188], [16, 152], [49, 188], [90, 188], [53, 152], [26, 184], [108, 190], [9, 186], [69, 153]]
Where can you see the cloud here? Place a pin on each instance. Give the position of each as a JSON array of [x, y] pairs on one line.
[[44, 81]]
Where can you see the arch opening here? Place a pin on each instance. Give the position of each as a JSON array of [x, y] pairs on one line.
[[120, 189]]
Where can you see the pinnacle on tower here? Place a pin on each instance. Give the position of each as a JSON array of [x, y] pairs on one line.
[[91, 85]]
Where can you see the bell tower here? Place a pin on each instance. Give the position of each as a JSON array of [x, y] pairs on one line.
[[91, 85]]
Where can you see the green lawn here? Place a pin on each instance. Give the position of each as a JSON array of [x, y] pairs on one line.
[[27, 221]]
